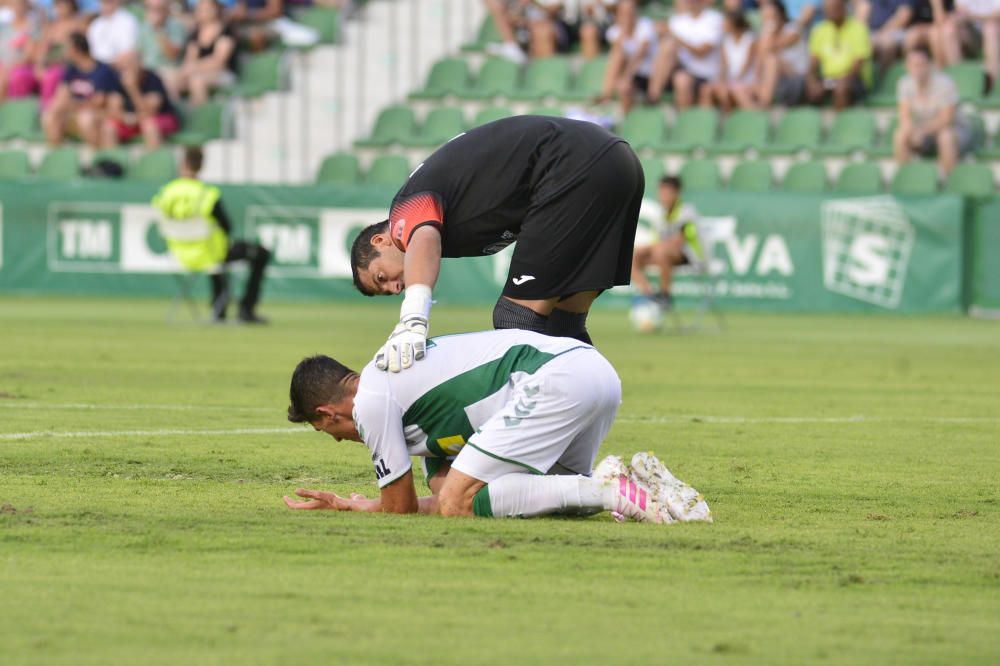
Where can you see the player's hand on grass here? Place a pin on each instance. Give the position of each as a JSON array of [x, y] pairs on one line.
[[319, 500], [408, 342]]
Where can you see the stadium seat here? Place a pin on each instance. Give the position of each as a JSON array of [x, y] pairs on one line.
[[589, 81], [201, 125], [394, 124], [155, 166], [497, 78], [859, 178], [853, 129], [60, 164], [544, 77], [968, 78], [447, 77], [491, 113], [644, 127], [741, 131], [915, 178], [652, 169], [321, 19], [441, 125], [798, 129], [700, 175], [260, 73], [553, 111], [19, 120], [805, 178], [971, 180], [884, 93], [117, 155], [751, 176], [339, 169], [14, 164], [390, 170], [695, 128], [487, 34], [882, 147]]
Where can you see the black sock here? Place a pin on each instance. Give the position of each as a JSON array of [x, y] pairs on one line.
[[569, 325], [508, 314]]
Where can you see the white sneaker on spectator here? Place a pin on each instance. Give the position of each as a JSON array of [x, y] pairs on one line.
[[682, 501], [508, 50]]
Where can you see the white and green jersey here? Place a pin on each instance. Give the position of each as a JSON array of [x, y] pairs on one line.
[[433, 408]]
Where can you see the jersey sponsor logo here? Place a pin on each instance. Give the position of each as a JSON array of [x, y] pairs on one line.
[[381, 469], [521, 280]]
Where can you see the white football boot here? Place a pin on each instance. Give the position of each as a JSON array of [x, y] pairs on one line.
[[682, 501], [628, 497]]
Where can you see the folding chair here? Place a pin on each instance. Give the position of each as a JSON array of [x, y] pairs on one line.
[[190, 230], [709, 233]]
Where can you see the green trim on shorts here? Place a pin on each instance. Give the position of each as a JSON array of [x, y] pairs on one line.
[[481, 505], [506, 460], [432, 466]]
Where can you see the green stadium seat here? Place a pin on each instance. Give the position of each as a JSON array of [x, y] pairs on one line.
[[700, 175], [14, 164], [805, 178], [389, 170], [544, 77], [653, 171], [497, 78], [968, 78], [915, 178], [323, 20], [859, 178], [884, 93], [853, 129], [552, 111], [394, 124], [117, 155], [491, 113], [644, 127], [589, 81], [339, 169], [695, 128], [751, 176], [487, 35], [19, 120], [741, 131], [441, 125], [259, 74], [447, 77], [971, 180], [798, 129], [155, 166], [201, 125], [978, 127], [60, 164]]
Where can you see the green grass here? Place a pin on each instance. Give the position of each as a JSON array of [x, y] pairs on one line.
[[864, 541]]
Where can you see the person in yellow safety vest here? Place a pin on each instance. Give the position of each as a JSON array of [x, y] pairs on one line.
[[187, 199], [676, 243]]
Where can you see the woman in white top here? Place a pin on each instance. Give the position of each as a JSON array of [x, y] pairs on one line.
[[736, 67], [784, 59], [633, 46]]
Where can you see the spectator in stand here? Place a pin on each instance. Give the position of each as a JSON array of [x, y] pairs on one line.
[[737, 67], [633, 48], [19, 38], [50, 54], [161, 37], [114, 35], [802, 13], [209, 56], [887, 22], [550, 27], [527, 25], [840, 58], [80, 101], [927, 16], [260, 23], [783, 58], [688, 56], [596, 16], [929, 122], [958, 30], [141, 107]]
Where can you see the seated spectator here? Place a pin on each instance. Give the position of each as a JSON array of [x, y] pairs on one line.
[[19, 38], [259, 24], [927, 15], [549, 27], [79, 104], [887, 22], [737, 65], [783, 59], [49, 56], [688, 56], [511, 22], [633, 47], [958, 31], [209, 56], [161, 37], [114, 35], [596, 16], [840, 53], [803, 14], [141, 107], [929, 122]]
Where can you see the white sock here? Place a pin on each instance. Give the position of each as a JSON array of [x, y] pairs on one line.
[[526, 495]]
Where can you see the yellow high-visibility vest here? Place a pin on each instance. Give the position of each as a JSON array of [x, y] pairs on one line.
[[193, 234]]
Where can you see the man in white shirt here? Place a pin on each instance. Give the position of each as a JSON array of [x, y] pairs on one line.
[[689, 54], [114, 35]]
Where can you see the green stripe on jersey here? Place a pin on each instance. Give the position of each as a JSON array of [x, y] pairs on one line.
[[441, 411]]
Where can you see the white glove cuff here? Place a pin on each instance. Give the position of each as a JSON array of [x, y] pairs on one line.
[[416, 301]]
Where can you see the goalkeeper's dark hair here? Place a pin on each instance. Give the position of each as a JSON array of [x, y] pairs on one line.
[[317, 380], [363, 253]]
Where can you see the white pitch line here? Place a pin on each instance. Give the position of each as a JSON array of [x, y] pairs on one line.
[[793, 420], [14, 404], [147, 433]]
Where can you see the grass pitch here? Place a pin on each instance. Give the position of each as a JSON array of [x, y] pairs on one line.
[[852, 464]]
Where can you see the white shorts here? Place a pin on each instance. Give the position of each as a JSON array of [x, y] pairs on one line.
[[553, 423]]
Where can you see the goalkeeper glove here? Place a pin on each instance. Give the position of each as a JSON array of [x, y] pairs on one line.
[[408, 341]]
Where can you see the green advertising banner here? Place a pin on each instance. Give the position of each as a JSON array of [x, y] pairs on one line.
[[767, 251], [985, 256]]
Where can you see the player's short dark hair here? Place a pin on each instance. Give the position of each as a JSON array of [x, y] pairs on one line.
[[78, 41], [194, 158], [672, 181], [363, 253], [317, 380]]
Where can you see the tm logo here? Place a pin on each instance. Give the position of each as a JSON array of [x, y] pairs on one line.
[[866, 249]]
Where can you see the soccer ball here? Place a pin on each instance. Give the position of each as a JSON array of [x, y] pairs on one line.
[[646, 315]]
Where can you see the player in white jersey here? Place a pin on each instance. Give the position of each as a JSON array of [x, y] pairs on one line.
[[508, 423]]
